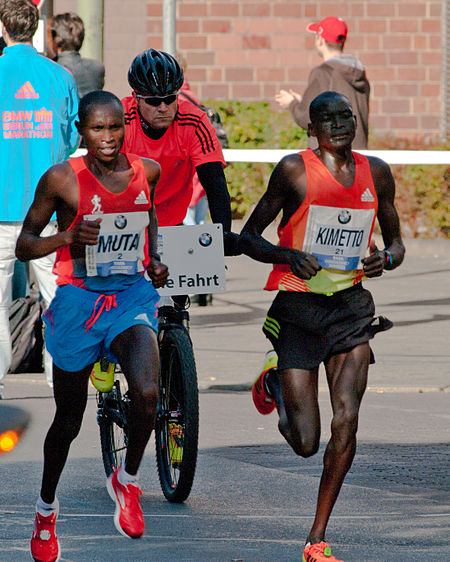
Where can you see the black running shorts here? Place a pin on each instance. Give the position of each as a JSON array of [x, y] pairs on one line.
[[306, 329]]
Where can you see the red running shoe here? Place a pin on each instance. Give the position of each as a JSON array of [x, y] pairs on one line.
[[318, 552], [44, 542], [264, 403], [128, 517]]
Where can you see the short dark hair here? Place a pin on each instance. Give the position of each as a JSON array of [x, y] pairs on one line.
[[95, 98], [336, 46], [317, 103], [20, 18], [68, 31]]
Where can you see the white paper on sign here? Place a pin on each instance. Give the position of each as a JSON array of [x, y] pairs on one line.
[[194, 255]]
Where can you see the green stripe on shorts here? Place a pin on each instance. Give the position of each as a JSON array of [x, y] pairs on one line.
[[272, 326]]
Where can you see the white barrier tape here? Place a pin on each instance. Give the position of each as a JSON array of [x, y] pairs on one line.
[[389, 156]]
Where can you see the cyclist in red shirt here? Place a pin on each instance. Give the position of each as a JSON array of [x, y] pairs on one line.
[[180, 137]]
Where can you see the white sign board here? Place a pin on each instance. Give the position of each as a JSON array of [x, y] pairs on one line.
[[194, 255]]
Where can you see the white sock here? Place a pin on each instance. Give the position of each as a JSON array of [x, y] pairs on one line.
[[45, 508], [125, 478]]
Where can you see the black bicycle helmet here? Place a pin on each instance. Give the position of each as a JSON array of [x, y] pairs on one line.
[[155, 73]]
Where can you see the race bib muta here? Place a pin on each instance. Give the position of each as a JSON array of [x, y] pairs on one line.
[[120, 246]]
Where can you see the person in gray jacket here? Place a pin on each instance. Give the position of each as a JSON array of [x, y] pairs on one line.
[[339, 72], [66, 36]]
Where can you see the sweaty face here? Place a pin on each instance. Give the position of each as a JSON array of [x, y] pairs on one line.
[[157, 117], [104, 131], [334, 124]]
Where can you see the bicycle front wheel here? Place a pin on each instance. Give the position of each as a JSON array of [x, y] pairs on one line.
[[176, 430], [112, 420]]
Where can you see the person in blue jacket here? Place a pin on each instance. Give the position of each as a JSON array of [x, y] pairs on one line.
[[38, 108]]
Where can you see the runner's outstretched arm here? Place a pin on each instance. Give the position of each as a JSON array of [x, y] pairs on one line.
[[394, 251], [284, 186], [47, 199], [157, 271]]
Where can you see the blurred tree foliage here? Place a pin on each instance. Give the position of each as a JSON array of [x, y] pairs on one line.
[[254, 125], [423, 191]]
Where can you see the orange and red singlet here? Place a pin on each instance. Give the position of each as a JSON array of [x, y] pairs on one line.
[[334, 223], [121, 255]]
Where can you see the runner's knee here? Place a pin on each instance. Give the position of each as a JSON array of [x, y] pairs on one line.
[[67, 427], [303, 440], [145, 397], [344, 426], [305, 447]]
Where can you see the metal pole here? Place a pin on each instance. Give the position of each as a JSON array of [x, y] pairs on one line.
[[46, 9], [169, 26], [46, 12], [446, 72], [91, 12]]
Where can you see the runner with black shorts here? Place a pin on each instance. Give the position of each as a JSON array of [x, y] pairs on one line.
[[329, 198]]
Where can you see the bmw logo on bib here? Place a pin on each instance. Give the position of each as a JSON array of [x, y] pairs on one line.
[[120, 222], [344, 217]]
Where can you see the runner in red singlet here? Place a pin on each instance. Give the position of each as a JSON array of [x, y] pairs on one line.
[[329, 199], [106, 302]]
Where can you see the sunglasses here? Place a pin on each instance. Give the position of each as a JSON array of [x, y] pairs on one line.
[[155, 101]]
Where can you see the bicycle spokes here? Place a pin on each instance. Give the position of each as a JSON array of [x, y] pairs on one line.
[[112, 415]]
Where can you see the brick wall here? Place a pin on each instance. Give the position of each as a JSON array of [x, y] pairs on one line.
[[248, 50]]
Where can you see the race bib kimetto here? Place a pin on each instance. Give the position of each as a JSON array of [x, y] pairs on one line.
[[338, 237], [120, 246]]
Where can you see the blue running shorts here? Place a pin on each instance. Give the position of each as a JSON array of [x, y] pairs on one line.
[[81, 325]]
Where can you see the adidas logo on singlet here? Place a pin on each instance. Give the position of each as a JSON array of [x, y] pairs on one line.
[[367, 196], [141, 199]]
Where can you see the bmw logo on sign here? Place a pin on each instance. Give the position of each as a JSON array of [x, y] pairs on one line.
[[120, 222], [344, 217], [205, 239]]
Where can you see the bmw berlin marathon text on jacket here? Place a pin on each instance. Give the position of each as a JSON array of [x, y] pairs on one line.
[[39, 106]]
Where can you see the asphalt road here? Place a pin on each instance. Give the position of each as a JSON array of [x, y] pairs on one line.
[[253, 499]]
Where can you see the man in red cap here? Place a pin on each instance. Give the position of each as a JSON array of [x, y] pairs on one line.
[[339, 72]]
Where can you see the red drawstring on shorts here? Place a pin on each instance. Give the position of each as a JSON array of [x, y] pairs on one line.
[[109, 301]]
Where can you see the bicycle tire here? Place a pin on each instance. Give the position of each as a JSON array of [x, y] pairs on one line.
[[112, 420], [177, 410]]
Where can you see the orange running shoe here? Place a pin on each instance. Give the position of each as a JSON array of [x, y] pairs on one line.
[[263, 402], [319, 552], [44, 542], [128, 517]]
